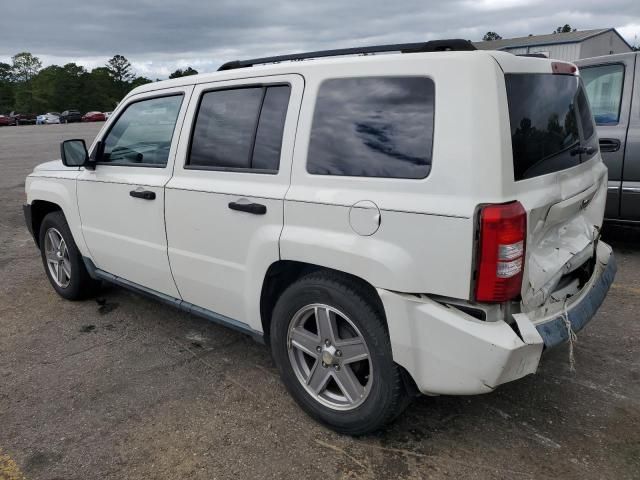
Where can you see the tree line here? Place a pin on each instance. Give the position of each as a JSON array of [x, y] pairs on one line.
[[26, 87]]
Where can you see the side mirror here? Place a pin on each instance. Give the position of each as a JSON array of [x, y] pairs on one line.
[[74, 153]]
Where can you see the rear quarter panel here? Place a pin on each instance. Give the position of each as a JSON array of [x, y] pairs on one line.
[[425, 240]]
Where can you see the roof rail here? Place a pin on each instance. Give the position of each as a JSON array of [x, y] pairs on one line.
[[533, 55], [431, 46]]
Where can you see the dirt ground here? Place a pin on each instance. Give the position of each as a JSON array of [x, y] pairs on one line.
[[124, 387]]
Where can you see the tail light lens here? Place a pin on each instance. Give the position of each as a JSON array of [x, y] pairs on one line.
[[503, 230]]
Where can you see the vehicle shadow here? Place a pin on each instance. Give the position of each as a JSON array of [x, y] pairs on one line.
[[622, 237]]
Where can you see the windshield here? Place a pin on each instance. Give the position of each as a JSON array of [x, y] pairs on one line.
[[551, 123]]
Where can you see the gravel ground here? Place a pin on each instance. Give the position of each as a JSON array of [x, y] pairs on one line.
[[124, 387]]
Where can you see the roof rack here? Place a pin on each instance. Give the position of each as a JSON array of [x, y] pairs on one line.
[[533, 55], [431, 46]]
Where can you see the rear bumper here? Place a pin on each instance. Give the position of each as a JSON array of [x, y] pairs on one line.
[[554, 331], [447, 351]]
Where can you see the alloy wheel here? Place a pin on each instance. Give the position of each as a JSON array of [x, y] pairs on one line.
[[57, 257], [330, 357]]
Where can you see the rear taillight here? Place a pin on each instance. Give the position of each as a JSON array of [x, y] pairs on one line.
[[500, 257]]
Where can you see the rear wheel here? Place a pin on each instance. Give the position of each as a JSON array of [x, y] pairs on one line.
[[331, 346], [62, 260]]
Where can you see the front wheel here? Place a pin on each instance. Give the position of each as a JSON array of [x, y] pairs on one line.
[[329, 341], [62, 260]]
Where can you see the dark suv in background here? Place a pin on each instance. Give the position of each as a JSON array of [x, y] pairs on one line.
[[612, 83], [70, 116]]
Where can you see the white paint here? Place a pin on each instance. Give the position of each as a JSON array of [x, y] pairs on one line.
[[425, 240]]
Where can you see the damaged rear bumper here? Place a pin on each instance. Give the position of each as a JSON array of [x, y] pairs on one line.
[[582, 311], [447, 351]]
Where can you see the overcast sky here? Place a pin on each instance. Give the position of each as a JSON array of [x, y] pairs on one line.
[[158, 36]]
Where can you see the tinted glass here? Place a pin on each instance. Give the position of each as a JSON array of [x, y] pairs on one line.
[[604, 89], [586, 120], [266, 153], [225, 127], [142, 133], [544, 123], [374, 127]]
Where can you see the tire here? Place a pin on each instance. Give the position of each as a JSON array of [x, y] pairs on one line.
[[74, 282], [381, 395]]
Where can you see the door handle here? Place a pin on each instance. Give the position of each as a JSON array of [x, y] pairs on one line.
[[144, 194], [609, 145], [253, 208]]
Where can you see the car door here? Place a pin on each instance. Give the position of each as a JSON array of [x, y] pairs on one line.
[[630, 201], [609, 85], [121, 202], [224, 204]]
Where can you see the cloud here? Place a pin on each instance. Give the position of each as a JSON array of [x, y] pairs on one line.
[[158, 36]]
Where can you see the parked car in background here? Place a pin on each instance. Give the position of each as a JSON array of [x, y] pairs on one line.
[[347, 224], [7, 120], [48, 118], [612, 83], [70, 116], [24, 118], [107, 115], [94, 117]]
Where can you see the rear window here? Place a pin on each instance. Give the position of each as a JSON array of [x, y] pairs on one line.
[[551, 124], [373, 127]]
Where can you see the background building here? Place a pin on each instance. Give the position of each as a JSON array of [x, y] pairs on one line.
[[568, 46]]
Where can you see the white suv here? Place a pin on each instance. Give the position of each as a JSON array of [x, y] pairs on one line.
[[420, 221]]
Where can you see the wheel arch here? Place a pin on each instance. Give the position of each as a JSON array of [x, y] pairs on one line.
[[283, 273], [39, 210], [56, 191]]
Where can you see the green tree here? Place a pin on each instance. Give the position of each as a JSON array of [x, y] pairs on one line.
[[564, 29], [120, 71], [489, 36], [25, 66], [58, 88], [140, 81], [6, 88], [183, 73], [100, 91], [5, 72]]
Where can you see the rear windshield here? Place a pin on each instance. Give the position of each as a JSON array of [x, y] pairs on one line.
[[551, 124]]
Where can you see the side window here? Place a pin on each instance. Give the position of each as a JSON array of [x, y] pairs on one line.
[[373, 127], [142, 133], [604, 89], [240, 129]]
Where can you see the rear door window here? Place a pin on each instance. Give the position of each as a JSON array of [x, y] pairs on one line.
[[604, 88], [240, 129], [551, 124], [373, 127]]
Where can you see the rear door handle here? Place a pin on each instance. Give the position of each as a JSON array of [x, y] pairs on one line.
[[253, 208], [609, 145], [144, 194]]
